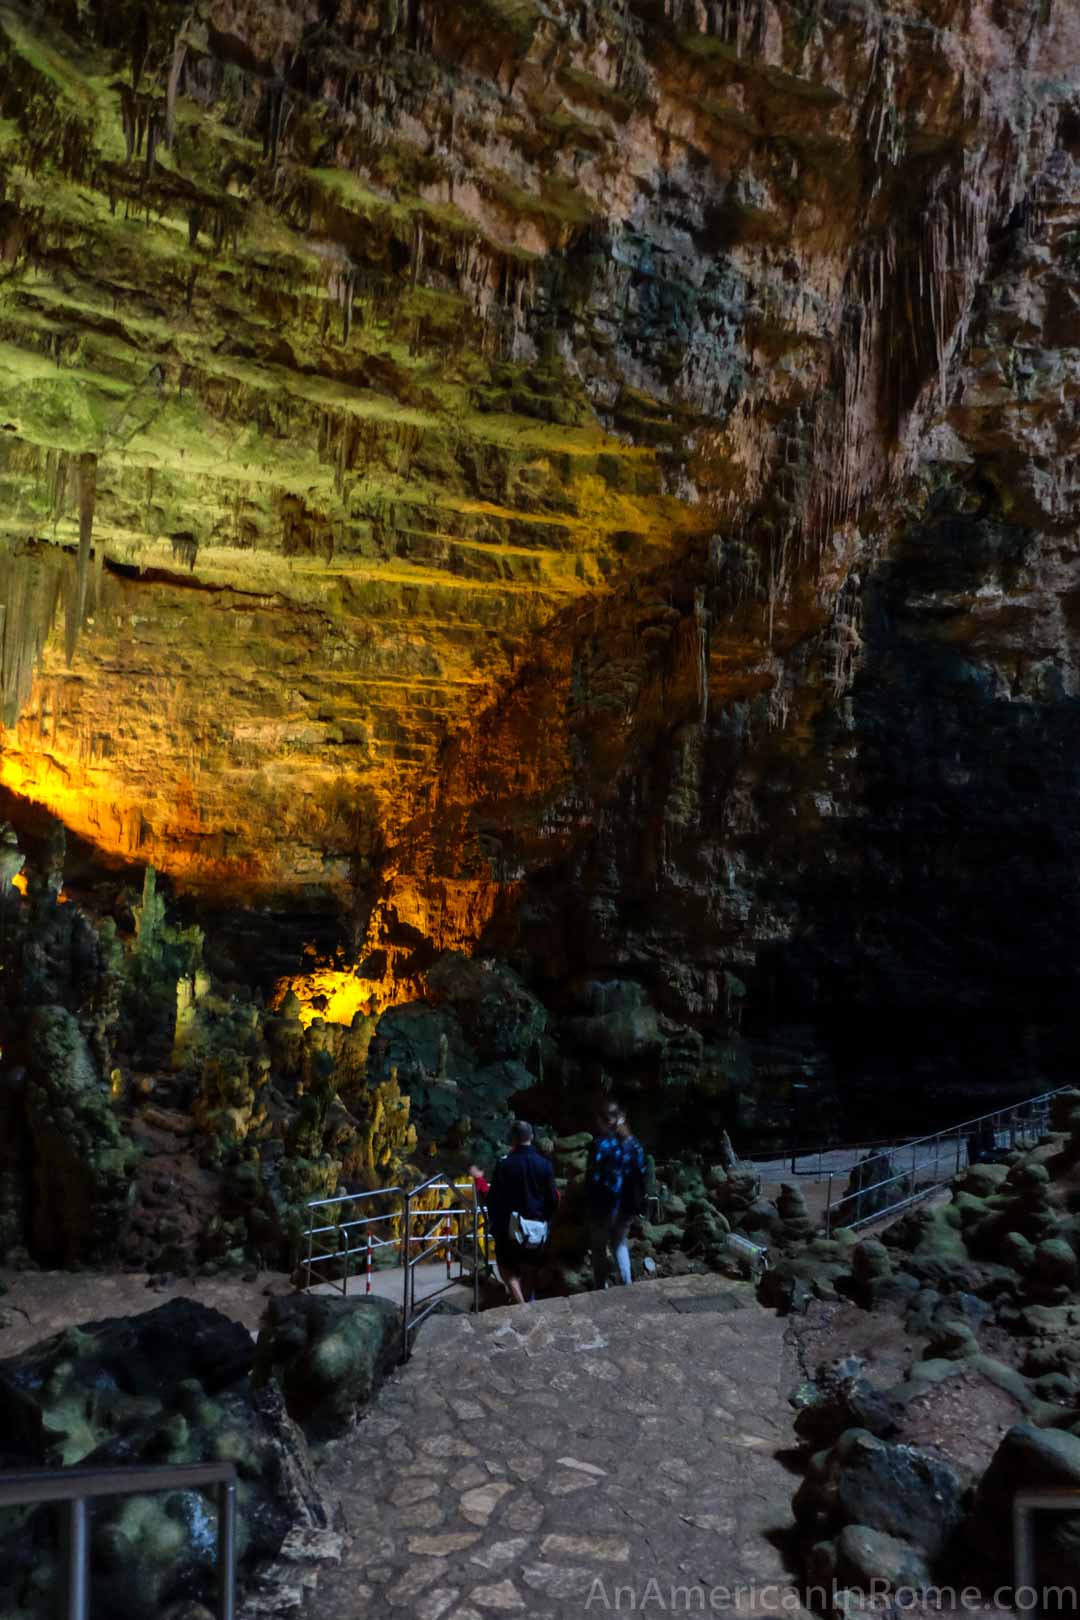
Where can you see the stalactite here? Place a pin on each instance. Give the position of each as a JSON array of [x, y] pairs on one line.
[[58, 484], [844, 639], [140, 45], [99, 576], [30, 585], [278, 97], [417, 250], [76, 607], [779, 578], [127, 122], [176, 67], [185, 550], [701, 626]]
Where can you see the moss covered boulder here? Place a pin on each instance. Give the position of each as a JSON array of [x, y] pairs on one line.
[[329, 1356], [172, 1385]]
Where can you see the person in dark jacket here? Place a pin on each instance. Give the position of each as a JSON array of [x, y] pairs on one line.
[[614, 1191], [523, 1183]]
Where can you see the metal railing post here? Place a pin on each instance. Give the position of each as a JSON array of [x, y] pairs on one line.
[[226, 1550], [476, 1252], [406, 1235], [342, 1233], [73, 1489], [76, 1599]]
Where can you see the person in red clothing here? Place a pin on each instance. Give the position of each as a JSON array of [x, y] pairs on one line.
[[483, 1185], [523, 1184]]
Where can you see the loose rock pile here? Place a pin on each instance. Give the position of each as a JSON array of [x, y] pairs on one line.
[[989, 1282]]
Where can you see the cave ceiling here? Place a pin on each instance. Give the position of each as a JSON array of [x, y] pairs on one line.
[[410, 411]]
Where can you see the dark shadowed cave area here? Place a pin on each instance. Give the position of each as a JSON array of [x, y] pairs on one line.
[[539, 683], [939, 946]]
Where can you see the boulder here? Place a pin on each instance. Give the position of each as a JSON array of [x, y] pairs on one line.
[[898, 1489], [870, 1560], [842, 1397], [930, 1311], [625, 1035], [874, 1184], [501, 1019], [795, 1223], [329, 1355], [812, 1272], [952, 1341], [1055, 1267]]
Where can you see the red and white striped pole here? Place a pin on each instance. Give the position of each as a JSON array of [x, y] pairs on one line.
[[367, 1281]]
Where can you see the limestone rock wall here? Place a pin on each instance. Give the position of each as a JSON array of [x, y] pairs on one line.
[[594, 480]]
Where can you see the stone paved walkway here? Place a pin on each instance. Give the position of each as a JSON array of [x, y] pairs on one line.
[[535, 1460]]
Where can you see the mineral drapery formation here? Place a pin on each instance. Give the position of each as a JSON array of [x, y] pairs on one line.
[[549, 474]]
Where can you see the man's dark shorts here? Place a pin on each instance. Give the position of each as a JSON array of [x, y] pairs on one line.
[[510, 1256]]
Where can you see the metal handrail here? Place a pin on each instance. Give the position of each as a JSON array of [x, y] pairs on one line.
[[353, 1198], [906, 1143], [995, 1113], [411, 1318], [439, 1179], [76, 1486], [346, 1251], [1017, 1118], [820, 1150], [429, 1239]]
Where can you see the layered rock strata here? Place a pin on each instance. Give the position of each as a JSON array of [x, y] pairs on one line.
[[594, 481]]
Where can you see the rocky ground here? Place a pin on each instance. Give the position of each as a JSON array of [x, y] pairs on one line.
[[963, 1418], [680, 1433]]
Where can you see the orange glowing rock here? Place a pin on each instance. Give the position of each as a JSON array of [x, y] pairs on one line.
[[336, 995]]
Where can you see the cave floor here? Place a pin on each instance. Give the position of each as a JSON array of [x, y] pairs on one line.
[[428, 1280], [540, 1459], [36, 1304]]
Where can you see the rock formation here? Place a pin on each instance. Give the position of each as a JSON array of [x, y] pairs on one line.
[[170, 1386], [590, 484], [914, 1483]]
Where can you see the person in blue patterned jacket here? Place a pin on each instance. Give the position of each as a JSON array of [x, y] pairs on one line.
[[614, 1191]]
